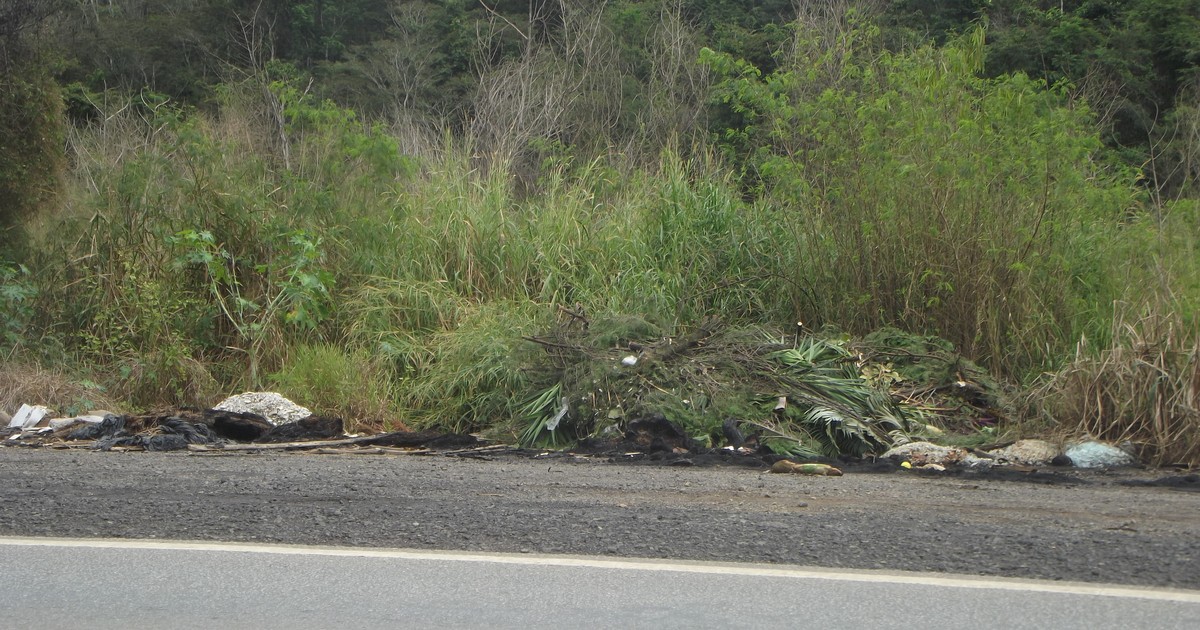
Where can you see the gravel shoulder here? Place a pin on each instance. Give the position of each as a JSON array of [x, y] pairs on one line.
[[1080, 527]]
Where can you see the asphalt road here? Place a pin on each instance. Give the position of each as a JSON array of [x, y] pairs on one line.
[[123, 584], [1084, 529]]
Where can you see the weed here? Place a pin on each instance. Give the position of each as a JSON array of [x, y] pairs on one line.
[[474, 375]]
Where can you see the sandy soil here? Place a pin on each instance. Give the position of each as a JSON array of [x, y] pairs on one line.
[[1076, 526]]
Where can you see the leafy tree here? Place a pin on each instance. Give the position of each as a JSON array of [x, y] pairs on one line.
[[1128, 58]]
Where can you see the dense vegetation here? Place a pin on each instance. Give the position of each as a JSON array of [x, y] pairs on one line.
[[369, 203]]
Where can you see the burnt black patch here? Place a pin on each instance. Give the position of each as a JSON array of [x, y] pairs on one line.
[[1174, 482]]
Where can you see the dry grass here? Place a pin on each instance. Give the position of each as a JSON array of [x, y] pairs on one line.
[[28, 384], [163, 379], [1144, 388]]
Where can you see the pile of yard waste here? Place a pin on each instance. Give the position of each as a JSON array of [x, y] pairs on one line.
[[799, 394], [623, 388]]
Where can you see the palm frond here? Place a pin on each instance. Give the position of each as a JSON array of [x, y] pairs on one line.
[[830, 401], [540, 416]]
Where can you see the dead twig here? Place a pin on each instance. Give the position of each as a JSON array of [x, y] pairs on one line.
[[376, 450], [551, 344]]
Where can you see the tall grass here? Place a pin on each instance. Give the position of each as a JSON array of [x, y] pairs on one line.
[[1144, 387], [199, 254]]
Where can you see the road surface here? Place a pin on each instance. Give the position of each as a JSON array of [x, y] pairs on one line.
[[1086, 528], [51, 583]]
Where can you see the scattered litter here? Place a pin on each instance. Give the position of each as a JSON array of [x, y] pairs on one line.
[[552, 423], [1027, 452], [396, 439], [270, 405], [629, 361], [29, 416], [1098, 455], [918, 453], [975, 462], [819, 470], [62, 423]]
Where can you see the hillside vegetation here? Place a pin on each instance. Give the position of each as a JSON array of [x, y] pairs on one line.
[[375, 206]]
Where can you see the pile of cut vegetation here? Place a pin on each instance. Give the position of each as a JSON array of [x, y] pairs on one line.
[[799, 393]]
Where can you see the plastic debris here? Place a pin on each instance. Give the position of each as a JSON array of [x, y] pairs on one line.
[[174, 434], [552, 423], [310, 428], [819, 470], [111, 426], [629, 360], [1098, 455], [29, 416]]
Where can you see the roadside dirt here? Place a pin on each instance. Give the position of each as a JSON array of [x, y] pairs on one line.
[[1069, 526]]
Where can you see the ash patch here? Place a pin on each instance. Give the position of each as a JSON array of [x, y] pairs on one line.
[[1174, 482], [310, 428]]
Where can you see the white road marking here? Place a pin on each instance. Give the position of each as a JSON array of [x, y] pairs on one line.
[[634, 564]]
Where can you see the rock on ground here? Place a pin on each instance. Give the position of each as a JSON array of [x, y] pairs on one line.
[[1027, 453], [270, 405]]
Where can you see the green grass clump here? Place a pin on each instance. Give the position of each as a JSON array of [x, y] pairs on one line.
[[332, 380], [473, 376]]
